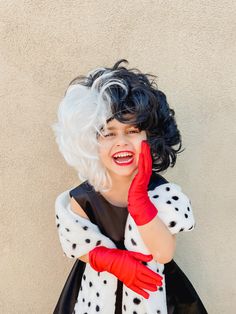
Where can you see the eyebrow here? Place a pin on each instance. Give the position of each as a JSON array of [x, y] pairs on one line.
[[126, 127]]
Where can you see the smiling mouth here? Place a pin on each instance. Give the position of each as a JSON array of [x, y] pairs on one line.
[[123, 158]]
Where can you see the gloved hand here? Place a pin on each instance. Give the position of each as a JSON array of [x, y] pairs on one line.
[[139, 205], [127, 267]]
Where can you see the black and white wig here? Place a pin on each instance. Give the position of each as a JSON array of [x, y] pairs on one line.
[[119, 93]]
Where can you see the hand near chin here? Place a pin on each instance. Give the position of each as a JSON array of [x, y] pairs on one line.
[[139, 205]]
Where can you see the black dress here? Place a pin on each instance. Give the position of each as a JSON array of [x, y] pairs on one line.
[[181, 295]]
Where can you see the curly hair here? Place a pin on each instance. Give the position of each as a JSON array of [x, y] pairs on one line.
[[126, 95]]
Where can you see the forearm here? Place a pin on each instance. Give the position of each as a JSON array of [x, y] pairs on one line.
[[158, 239]]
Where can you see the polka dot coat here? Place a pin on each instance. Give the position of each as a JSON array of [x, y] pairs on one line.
[[98, 289]]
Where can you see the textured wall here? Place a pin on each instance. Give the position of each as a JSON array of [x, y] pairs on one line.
[[190, 45]]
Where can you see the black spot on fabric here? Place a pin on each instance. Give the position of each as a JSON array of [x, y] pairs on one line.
[[97, 308], [105, 282], [98, 242], [57, 216], [175, 198], [74, 246], [158, 270], [73, 256], [83, 300], [134, 312], [168, 202], [130, 228], [67, 229], [186, 215], [77, 221], [97, 294], [167, 188], [160, 288], [81, 288], [158, 312], [90, 284], [85, 228], [190, 228], [176, 208], [144, 263], [124, 307], [155, 196], [87, 241], [99, 273], [182, 229], [172, 224], [188, 209], [84, 277], [133, 242], [89, 304], [136, 301], [58, 225], [126, 293]]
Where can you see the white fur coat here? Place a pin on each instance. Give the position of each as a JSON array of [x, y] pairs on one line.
[[79, 235]]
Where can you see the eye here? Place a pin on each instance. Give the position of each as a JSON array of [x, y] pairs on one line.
[[134, 131], [109, 134]]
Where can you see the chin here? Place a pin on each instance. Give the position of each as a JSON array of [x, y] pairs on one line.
[[126, 172]]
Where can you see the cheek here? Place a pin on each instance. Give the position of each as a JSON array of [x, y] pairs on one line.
[[103, 151], [142, 137]]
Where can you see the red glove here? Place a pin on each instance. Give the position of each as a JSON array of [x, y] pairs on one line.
[[139, 205], [127, 267]]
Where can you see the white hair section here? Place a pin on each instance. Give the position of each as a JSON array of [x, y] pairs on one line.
[[82, 113]]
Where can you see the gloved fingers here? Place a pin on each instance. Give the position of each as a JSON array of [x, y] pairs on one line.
[[141, 165], [147, 157], [140, 256], [148, 275], [145, 285], [139, 291]]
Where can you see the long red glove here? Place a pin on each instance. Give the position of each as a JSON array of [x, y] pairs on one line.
[[127, 267], [139, 205]]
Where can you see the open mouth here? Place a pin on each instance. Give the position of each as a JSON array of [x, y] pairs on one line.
[[123, 158]]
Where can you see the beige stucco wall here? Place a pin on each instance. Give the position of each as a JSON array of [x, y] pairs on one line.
[[190, 45]]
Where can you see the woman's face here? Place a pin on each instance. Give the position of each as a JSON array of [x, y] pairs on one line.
[[119, 148]]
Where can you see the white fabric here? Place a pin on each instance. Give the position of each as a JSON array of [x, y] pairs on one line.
[[79, 235]]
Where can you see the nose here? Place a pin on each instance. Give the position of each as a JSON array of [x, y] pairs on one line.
[[121, 140]]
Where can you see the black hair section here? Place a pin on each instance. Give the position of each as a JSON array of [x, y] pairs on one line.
[[143, 106]]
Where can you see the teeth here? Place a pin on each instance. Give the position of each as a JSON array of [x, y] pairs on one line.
[[122, 155]]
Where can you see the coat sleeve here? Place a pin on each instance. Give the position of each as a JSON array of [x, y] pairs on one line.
[[77, 234], [174, 207]]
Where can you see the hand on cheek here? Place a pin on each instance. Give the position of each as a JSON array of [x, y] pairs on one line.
[[139, 205]]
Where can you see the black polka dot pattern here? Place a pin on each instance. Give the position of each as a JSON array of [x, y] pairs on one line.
[[136, 301], [172, 224], [174, 207], [133, 242]]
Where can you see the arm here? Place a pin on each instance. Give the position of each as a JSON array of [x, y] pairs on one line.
[[156, 229], [159, 240], [79, 211]]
